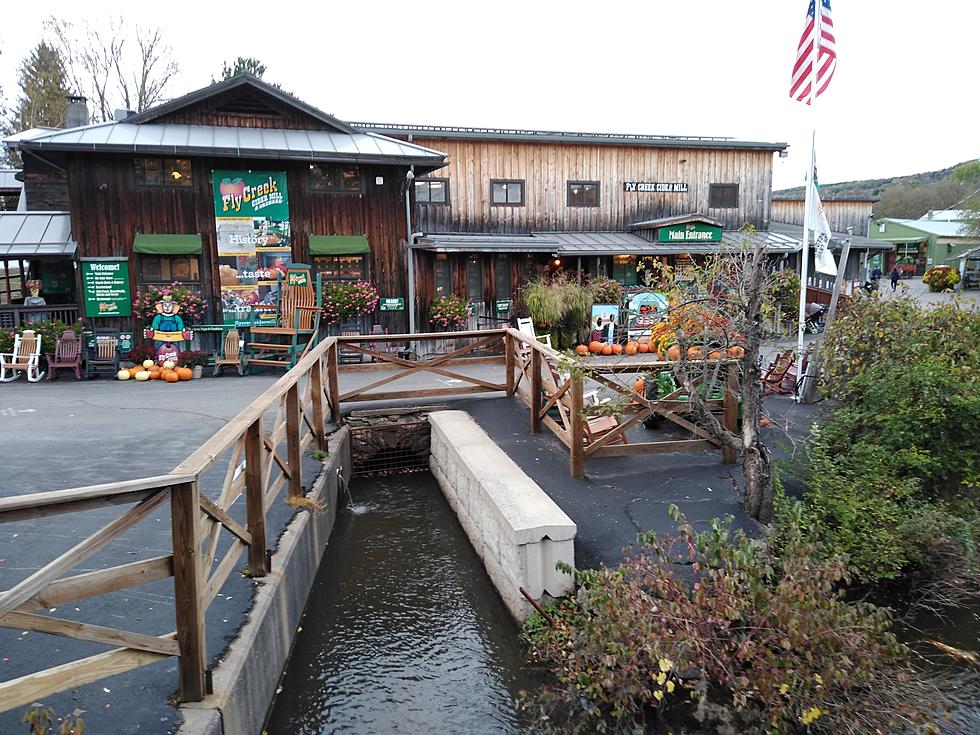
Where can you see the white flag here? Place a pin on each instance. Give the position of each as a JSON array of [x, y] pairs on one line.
[[822, 256]]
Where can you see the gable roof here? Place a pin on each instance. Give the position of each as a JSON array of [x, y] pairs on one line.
[[239, 81], [679, 219], [939, 228]]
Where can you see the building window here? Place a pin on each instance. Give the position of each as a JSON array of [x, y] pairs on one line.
[[168, 268], [340, 267], [624, 269], [432, 191], [583, 193], [335, 179], [503, 289], [723, 196], [443, 275], [507, 192], [172, 173], [474, 278]]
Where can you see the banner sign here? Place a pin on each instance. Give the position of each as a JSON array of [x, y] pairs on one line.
[[393, 304], [251, 211], [105, 286], [690, 232], [656, 187]]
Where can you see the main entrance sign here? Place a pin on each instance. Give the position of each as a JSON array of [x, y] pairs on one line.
[[690, 232]]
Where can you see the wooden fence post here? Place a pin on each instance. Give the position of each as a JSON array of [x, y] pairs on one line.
[[535, 391], [294, 460], [333, 384], [576, 433], [188, 585], [730, 409], [316, 388], [255, 499], [509, 363]]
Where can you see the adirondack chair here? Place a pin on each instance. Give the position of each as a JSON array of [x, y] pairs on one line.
[[25, 358], [296, 323], [389, 348], [104, 357], [229, 354], [776, 377], [67, 354], [345, 355], [595, 426], [526, 325]]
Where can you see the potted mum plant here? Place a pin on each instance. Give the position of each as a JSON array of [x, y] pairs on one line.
[[193, 359]]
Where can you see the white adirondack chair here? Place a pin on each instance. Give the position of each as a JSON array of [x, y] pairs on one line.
[[26, 358], [526, 325]]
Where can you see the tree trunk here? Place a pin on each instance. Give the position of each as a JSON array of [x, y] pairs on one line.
[[757, 474]]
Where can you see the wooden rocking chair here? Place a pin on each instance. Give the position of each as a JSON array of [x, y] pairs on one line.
[[296, 324], [230, 353], [105, 354], [25, 358], [777, 375], [67, 354], [594, 426]]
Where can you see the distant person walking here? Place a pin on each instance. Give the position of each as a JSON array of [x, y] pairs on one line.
[[895, 275]]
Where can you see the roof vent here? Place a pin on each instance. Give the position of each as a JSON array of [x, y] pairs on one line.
[[76, 111], [120, 115]]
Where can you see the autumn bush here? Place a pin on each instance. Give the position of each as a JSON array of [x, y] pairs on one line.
[[708, 628]]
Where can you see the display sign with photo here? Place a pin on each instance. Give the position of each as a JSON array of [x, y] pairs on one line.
[[645, 309], [602, 327], [251, 211]]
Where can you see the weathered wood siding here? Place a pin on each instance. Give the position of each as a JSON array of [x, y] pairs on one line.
[[840, 213], [108, 210], [547, 167], [45, 186]]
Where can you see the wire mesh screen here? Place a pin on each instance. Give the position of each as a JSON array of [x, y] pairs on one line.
[[390, 448]]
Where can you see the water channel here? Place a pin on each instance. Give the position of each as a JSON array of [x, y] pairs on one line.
[[403, 630]]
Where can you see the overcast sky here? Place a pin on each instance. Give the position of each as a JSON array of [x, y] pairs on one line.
[[903, 99]]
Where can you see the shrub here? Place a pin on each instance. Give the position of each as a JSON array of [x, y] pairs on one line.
[[192, 306], [192, 358], [48, 330], [559, 303], [346, 300], [784, 288], [449, 312], [141, 353], [941, 277], [751, 645], [605, 290]]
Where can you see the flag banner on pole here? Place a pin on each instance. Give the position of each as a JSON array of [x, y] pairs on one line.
[[822, 258], [817, 47]]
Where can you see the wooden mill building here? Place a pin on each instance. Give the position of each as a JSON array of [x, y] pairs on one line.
[[144, 191]]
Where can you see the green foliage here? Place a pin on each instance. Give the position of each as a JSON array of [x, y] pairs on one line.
[[40, 720], [941, 277], [605, 290], [559, 303], [49, 331], [784, 288], [242, 64], [43, 81], [449, 312], [753, 645]]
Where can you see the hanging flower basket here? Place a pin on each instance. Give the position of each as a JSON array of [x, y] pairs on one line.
[[191, 304], [449, 312], [346, 300]]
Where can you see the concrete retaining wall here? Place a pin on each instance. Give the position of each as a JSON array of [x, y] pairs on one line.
[[518, 531], [246, 679]]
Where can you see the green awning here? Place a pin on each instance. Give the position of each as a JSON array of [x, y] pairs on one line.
[[338, 244], [167, 244]]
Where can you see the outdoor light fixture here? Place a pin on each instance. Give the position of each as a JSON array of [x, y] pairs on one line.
[[557, 262]]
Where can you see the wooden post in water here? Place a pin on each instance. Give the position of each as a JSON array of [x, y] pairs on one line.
[[576, 432], [333, 385], [535, 391], [188, 584], [730, 409], [316, 391], [255, 498], [509, 363], [294, 460]]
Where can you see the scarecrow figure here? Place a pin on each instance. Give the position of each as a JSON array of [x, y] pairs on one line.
[[35, 299], [167, 330]]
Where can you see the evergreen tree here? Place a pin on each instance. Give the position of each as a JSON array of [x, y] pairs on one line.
[[43, 82], [251, 65]]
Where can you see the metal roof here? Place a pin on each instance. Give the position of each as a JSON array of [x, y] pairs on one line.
[[473, 242], [679, 219], [33, 234], [971, 254], [939, 228], [197, 140], [8, 182], [858, 242], [826, 197], [554, 136], [948, 215]]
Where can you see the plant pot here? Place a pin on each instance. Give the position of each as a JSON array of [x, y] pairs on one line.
[[197, 372]]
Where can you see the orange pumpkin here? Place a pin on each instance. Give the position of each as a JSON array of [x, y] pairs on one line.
[[607, 350], [638, 385], [595, 347], [154, 375], [617, 349], [632, 348], [714, 355], [674, 352], [643, 348], [581, 350], [184, 373], [133, 370], [736, 352], [170, 376], [695, 353]]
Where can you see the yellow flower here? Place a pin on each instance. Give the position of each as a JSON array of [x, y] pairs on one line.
[[670, 687], [661, 678], [783, 688], [666, 664], [810, 715], [817, 678], [658, 695]]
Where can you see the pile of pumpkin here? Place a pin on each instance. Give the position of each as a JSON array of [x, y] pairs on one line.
[[601, 348], [169, 372]]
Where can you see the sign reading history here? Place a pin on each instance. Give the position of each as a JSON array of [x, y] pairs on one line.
[[656, 187], [251, 210], [689, 232], [105, 285], [392, 304]]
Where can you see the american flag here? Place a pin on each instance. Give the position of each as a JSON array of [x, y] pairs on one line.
[[817, 46]]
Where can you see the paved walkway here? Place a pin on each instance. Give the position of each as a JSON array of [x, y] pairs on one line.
[[918, 290]]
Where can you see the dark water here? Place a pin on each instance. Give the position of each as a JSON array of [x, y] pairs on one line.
[[403, 630]]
